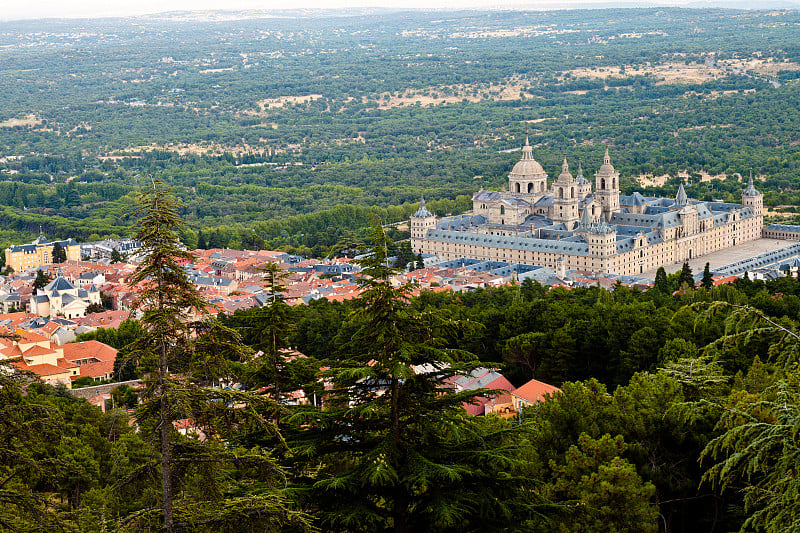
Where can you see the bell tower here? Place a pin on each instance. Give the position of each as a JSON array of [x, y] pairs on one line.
[[607, 187]]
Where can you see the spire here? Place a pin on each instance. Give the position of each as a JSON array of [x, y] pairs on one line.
[[422, 212], [527, 150], [750, 190], [606, 158], [580, 169], [586, 220], [681, 199], [565, 176]]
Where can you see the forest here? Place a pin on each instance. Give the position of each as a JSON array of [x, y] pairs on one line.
[[276, 128]]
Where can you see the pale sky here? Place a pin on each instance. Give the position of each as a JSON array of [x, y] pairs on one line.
[[32, 9], [27, 9]]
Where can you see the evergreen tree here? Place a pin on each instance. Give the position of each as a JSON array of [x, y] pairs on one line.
[[42, 279], [708, 281], [59, 254], [393, 449], [180, 359], [29, 431], [116, 257], [685, 276], [201, 240], [660, 283]]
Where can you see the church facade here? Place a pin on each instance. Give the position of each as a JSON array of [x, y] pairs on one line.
[[568, 225]]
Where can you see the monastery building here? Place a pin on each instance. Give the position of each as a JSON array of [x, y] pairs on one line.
[[569, 226]]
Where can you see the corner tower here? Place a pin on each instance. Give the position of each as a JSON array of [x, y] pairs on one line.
[[607, 187], [421, 222], [752, 198]]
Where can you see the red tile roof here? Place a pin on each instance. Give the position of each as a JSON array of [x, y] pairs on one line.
[[80, 351], [535, 391]]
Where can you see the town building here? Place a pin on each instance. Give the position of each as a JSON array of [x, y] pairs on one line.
[[568, 226], [38, 253], [61, 298], [33, 352]]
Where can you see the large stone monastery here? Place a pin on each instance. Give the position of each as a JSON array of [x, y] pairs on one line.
[[569, 226]]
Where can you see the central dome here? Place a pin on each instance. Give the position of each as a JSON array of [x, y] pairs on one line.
[[527, 167]]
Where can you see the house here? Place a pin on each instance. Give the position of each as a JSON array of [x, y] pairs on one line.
[[485, 379], [39, 252], [532, 393], [33, 352], [94, 359]]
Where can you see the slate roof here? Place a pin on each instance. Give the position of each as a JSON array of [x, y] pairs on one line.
[[513, 243], [59, 284]]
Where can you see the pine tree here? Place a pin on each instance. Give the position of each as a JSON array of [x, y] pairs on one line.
[[708, 281], [660, 283], [181, 358], [116, 257], [42, 279], [201, 241], [393, 449], [686, 277], [59, 254]]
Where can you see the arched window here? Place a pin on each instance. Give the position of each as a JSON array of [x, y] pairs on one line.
[[530, 188], [572, 192], [502, 210], [603, 183], [560, 192], [517, 187]]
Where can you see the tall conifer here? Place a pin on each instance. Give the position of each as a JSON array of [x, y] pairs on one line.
[[393, 449], [182, 357]]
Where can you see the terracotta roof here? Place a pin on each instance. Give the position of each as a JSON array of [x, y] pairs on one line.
[[97, 370], [36, 350], [79, 351], [40, 370], [31, 336], [535, 391]]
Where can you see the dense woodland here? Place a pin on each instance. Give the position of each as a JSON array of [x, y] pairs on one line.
[[279, 129]]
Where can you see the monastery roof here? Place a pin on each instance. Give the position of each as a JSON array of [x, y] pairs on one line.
[[784, 227], [486, 196], [502, 241], [422, 212]]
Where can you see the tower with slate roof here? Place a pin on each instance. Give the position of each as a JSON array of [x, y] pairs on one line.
[[607, 187], [752, 198], [421, 221]]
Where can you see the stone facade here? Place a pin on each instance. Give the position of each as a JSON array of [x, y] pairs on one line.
[[39, 253], [570, 227]]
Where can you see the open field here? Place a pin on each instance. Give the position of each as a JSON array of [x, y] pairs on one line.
[[27, 120]]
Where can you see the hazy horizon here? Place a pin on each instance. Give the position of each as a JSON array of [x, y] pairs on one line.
[[43, 9]]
